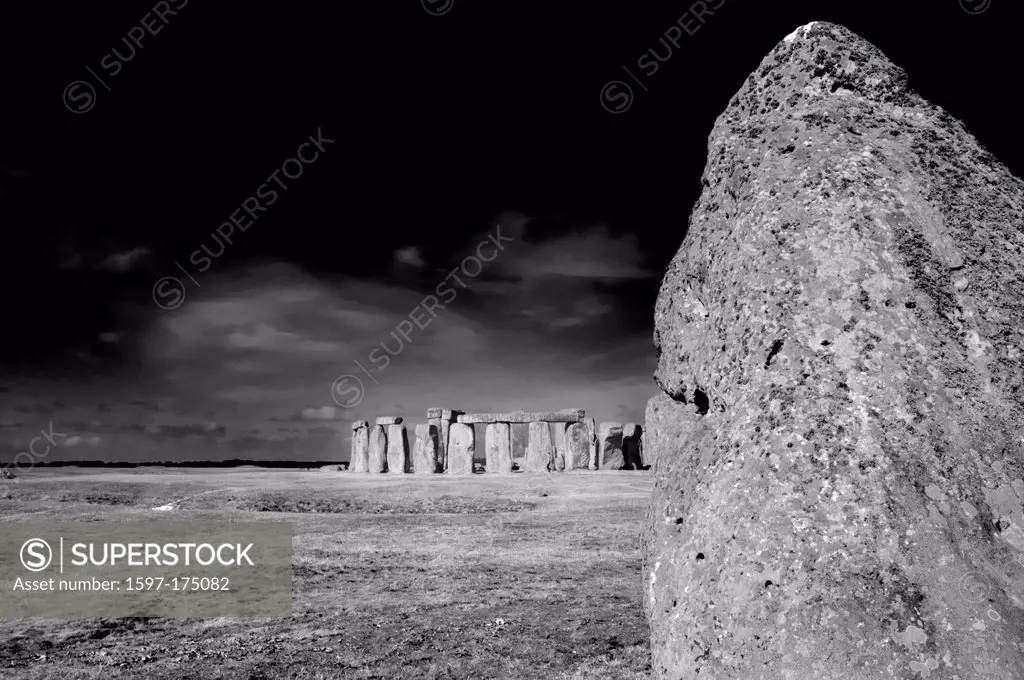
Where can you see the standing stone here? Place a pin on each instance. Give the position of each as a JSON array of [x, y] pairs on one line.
[[839, 495], [378, 461], [592, 434], [540, 450], [436, 424], [559, 443], [424, 456], [359, 460], [577, 447], [631, 447], [498, 447], [398, 449], [461, 447], [609, 439]]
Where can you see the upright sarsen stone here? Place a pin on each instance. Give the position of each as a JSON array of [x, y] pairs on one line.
[[609, 440], [577, 447], [424, 456], [559, 444], [540, 450], [498, 447], [631, 447], [461, 447], [591, 425], [839, 487], [378, 460], [398, 449], [359, 460]]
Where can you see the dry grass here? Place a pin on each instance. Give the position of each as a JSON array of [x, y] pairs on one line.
[[393, 577]]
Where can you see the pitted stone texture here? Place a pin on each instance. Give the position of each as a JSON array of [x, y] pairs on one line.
[[389, 420], [540, 449], [609, 441], [669, 424], [424, 454], [461, 447], [359, 461], [577, 447], [356, 424], [398, 449], [378, 453], [498, 444], [592, 433], [632, 446], [846, 317]]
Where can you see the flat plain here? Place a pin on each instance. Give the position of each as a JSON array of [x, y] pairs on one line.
[[528, 575]]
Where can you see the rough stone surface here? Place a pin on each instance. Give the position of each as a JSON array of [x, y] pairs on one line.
[[389, 420], [434, 413], [841, 497], [592, 433], [609, 441], [498, 445], [570, 415], [540, 450], [424, 454], [398, 449], [558, 440], [378, 450], [359, 460], [356, 424], [461, 447], [577, 447], [444, 435], [668, 424], [632, 446]]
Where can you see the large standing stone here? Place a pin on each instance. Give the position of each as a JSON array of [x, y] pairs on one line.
[[378, 460], [436, 424], [359, 460], [592, 433], [398, 449], [840, 496], [609, 439], [577, 447], [498, 447], [631, 447], [461, 447], [559, 444], [540, 450], [424, 456]]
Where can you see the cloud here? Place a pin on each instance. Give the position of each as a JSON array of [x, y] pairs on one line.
[[318, 413], [76, 440], [593, 253], [410, 256], [123, 261]]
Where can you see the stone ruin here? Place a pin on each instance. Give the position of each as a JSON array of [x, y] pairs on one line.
[[446, 443]]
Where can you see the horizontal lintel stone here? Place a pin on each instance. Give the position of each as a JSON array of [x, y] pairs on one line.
[[389, 420], [572, 415], [357, 424]]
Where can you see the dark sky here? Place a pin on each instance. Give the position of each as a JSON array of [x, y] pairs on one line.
[[449, 123]]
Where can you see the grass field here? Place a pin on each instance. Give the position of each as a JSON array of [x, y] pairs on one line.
[[524, 576]]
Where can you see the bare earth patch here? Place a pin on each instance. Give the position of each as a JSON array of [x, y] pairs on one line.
[[514, 577]]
